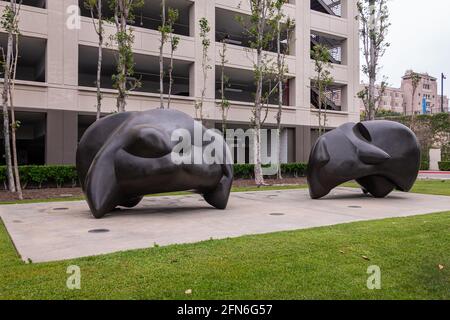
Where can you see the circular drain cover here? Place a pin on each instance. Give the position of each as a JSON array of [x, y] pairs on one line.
[[98, 231], [277, 214], [60, 209], [355, 207]]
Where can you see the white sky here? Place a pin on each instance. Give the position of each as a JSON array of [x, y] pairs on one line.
[[420, 40]]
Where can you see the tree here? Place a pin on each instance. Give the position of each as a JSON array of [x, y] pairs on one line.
[[373, 16], [321, 56], [378, 95], [206, 43], [124, 80], [224, 81], [174, 41], [10, 23], [281, 70], [261, 33], [163, 30], [415, 80], [96, 9]]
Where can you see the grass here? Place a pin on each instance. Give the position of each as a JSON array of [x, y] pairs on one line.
[[321, 263], [436, 187]]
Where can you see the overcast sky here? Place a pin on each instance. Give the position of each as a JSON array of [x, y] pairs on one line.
[[420, 40]]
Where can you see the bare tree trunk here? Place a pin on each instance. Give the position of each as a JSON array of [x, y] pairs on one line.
[[13, 118], [100, 59], [6, 123], [203, 95], [259, 178], [170, 80], [280, 97], [413, 115], [372, 88], [222, 90], [373, 62], [161, 57]]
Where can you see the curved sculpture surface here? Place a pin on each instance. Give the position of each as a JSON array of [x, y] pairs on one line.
[[125, 156], [382, 156]]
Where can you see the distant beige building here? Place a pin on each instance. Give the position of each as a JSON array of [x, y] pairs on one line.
[[56, 98], [401, 99]]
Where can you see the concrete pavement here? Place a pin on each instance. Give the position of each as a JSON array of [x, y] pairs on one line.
[[58, 231]]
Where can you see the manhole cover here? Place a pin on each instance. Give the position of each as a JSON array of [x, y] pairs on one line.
[[276, 214], [98, 231], [60, 209], [355, 207]]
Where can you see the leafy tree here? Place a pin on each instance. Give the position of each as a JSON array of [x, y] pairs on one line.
[[281, 67], [96, 9], [224, 82], [174, 41], [378, 95], [124, 80], [321, 56], [167, 34], [205, 28], [373, 16], [415, 80], [261, 33], [163, 29]]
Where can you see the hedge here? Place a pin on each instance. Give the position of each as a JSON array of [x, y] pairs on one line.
[[246, 171], [444, 166], [37, 176]]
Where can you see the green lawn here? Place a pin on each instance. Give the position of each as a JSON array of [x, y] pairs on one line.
[[321, 263], [436, 187]]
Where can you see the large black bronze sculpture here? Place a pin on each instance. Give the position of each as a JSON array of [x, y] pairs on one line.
[[125, 156], [381, 156]]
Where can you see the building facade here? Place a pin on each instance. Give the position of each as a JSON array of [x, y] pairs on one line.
[[55, 89], [401, 100]]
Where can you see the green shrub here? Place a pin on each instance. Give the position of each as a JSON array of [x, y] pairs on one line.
[[40, 175], [425, 160], [425, 165], [444, 166], [65, 175], [246, 171]]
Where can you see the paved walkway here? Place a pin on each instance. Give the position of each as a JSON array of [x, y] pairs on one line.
[[64, 230]]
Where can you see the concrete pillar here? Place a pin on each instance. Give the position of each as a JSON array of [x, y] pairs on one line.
[[62, 54], [61, 137], [302, 143], [284, 145], [352, 61], [435, 158]]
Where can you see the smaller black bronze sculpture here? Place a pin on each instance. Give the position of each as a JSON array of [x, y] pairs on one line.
[[382, 156], [125, 156]]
